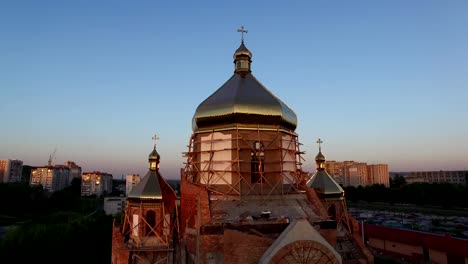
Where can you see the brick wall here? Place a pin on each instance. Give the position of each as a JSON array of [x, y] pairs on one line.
[[119, 256], [329, 235], [193, 197], [356, 236], [244, 248], [319, 209], [191, 194], [211, 249]]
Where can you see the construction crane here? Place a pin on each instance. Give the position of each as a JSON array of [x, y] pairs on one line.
[[51, 156]]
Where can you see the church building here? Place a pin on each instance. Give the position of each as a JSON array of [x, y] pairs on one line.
[[149, 230], [244, 196]]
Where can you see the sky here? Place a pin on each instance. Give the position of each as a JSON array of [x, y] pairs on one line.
[[378, 81]]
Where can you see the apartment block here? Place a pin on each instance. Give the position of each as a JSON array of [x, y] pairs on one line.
[[11, 170], [131, 180], [378, 174], [51, 178], [454, 177], [355, 174], [96, 183], [75, 170], [352, 173]]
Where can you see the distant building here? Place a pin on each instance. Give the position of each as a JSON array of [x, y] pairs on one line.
[[11, 170], [378, 174], [51, 178], [354, 173], [75, 170], [454, 177], [26, 174], [114, 205], [118, 187], [131, 181], [96, 183]]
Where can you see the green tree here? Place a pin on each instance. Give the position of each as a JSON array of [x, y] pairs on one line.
[[398, 181]]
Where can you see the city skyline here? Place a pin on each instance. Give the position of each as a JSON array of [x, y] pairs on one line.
[[378, 82]]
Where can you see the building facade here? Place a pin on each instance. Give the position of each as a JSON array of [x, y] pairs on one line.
[[378, 174], [75, 170], [96, 183], [11, 171], [52, 178], [114, 205], [453, 177], [130, 181], [354, 173]]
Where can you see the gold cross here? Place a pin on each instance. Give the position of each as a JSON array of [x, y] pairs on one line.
[[155, 138], [242, 31], [319, 141]]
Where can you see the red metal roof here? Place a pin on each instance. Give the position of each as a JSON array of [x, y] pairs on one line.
[[444, 243]]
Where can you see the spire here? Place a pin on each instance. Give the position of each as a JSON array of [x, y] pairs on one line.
[[320, 158], [154, 157], [242, 56]]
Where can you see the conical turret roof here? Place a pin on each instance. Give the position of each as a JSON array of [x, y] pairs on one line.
[[324, 183], [148, 187]]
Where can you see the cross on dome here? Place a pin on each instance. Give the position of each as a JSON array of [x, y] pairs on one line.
[[319, 141], [155, 138], [242, 30]]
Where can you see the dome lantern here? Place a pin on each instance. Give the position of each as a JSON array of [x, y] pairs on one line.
[[242, 56], [320, 158], [153, 157]]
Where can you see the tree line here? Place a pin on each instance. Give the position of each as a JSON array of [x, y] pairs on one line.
[[445, 195], [60, 227]]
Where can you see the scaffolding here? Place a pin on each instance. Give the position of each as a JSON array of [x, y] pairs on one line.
[[231, 177], [341, 212], [148, 240]]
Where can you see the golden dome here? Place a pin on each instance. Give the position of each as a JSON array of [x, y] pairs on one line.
[[243, 99], [320, 157], [154, 154], [242, 50]]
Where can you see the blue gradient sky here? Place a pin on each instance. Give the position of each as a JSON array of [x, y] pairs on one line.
[[378, 81]]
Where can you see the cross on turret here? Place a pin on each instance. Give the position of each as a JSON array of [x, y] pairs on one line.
[[155, 138], [319, 141], [242, 31]]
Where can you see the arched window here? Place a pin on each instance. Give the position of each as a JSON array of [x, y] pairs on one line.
[[151, 223], [332, 211], [257, 158]]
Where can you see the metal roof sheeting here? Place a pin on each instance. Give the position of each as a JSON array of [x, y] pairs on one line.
[[147, 188], [243, 99], [323, 182]]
